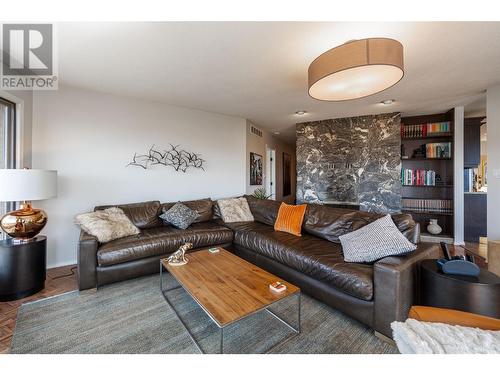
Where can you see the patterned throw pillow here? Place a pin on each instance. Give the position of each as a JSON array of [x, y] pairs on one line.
[[234, 210], [107, 225], [375, 241], [180, 216]]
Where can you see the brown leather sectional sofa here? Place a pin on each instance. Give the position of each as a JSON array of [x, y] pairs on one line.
[[375, 294]]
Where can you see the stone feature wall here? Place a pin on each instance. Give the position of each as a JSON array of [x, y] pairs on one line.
[[354, 160]]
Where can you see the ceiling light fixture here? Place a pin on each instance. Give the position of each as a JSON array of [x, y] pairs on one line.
[[277, 133], [300, 113], [356, 69], [387, 101]]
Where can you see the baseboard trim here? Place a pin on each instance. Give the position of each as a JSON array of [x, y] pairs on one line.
[[62, 264]]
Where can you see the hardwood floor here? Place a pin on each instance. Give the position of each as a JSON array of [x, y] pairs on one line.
[[59, 280]]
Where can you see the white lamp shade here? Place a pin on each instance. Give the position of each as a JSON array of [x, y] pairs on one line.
[[27, 184]]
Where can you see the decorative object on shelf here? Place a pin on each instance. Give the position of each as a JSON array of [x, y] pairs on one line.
[[256, 169], [179, 257], [26, 185], [179, 159], [356, 69], [419, 152], [433, 227], [261, 193]]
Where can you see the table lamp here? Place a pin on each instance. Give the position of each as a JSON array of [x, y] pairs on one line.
[[26, 185]]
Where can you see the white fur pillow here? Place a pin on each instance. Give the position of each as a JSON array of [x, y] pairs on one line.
[[234, 210], [107, 225]]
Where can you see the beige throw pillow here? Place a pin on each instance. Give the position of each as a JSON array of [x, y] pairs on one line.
[[107, 225], [234, 210]]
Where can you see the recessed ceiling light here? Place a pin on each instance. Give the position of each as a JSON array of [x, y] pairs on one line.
[[300, 113], [387, 101], [356, 69], [277, 133]]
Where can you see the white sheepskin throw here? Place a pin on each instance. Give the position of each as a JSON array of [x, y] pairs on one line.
[[107, 225], [415, 337], [235, 210]]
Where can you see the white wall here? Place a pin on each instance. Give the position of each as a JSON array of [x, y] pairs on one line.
[[258, 145], [493, 118], [89, 137]]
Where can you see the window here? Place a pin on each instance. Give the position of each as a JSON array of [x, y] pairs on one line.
[[7, 144]]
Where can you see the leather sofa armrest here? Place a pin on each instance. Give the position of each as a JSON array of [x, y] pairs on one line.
[[395, 282], [87, 261]]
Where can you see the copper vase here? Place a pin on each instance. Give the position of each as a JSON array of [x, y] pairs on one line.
[[24, 223]]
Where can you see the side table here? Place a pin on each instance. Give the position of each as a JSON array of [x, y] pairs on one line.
[[479, 295], [22, 267]]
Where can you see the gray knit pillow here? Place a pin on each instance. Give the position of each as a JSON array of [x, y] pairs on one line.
[[180, 216], [375, 241]]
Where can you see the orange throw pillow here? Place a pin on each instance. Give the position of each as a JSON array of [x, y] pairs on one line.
[[290, 218]]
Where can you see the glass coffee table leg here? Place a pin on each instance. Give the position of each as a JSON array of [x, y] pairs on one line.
[[299, 313], [221, 349]]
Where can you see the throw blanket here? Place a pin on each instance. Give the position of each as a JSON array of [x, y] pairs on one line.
[[418, 337]]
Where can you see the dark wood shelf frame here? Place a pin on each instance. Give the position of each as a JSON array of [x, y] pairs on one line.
[[442, 166], [428, 137]]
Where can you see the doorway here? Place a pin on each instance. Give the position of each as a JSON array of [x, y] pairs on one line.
[[271, 172]]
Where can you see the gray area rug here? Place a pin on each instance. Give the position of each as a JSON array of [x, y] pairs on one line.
[[133, 317]]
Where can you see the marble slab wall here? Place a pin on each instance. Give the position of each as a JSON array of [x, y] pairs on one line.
[[353, 160]]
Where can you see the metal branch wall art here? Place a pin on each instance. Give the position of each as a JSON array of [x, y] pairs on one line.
[[180, 160]]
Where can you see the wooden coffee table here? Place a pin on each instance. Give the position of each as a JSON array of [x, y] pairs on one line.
[[227, 288]]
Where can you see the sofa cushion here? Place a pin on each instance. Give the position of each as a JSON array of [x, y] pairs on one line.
[[180, 216], [144, 215], [290, 218], [162, 240], [234, 210], [330, 223], [107, 225], [263, 210], [375, 241], [202, 206], [317, 258]]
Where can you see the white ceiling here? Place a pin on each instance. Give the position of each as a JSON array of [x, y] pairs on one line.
[[258, 70]]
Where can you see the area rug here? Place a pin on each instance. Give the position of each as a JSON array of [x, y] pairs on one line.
[[133, 317]]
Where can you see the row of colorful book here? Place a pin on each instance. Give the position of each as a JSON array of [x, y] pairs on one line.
[[418, 177], [428, 205], [425, 130], [438, 150]]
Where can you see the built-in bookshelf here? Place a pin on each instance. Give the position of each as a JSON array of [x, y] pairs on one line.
[[427, 170]]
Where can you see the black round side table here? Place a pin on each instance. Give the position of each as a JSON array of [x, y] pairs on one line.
[[22, 267], [479, 295]]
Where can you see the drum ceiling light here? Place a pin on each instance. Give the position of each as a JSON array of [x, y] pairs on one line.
[[356, 69]]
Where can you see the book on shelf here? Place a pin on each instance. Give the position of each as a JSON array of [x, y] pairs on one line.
[[418, 177], [428, 205], [425, 130], [440, 150]]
